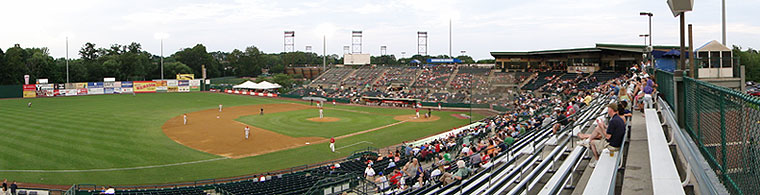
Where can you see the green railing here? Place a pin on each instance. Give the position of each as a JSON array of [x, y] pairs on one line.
[[725, 124], [666, 84]]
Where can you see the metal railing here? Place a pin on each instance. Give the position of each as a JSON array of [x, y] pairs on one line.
[[666, 86]]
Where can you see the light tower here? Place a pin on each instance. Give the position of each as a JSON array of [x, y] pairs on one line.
[[422, 40], [290, 41], [346, 49], [308, 48], [356, 42], [383, 50]]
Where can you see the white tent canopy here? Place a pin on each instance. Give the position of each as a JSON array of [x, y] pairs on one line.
[[252, 85], [268, 85]]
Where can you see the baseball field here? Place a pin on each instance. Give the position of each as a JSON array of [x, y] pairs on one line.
[[142, 139]]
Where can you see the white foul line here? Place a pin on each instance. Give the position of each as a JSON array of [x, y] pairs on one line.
[[353, 144], [113, 169]]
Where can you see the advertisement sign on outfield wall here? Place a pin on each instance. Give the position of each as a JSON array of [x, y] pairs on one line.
[[95, 91], [107, 90], [184, 83], [95, 85], [108, 85], [173, 89], [117, 84], [82, 91], [126, 87], [30, 91], [143, 86], [172, 83], [80, 85], [183, 89], [161, 86]]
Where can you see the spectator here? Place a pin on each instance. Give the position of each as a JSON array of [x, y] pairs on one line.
[[396, 178], [462, 172], [369, 172], [13, 188], [381, 181], [612, 138]]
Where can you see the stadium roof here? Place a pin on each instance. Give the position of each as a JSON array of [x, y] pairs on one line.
[[599, 47]]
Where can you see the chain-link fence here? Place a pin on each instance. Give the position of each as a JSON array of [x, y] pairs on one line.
[[725, 124], [665, 86]]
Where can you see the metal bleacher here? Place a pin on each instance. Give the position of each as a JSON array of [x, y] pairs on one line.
[[505, 175]]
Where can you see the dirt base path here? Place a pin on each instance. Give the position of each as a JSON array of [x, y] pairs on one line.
[[413, 118], [224, 136], [325, 119]]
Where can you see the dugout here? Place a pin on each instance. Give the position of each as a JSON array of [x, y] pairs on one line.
[[398, 102]]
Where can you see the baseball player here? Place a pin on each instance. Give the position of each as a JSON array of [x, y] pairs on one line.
[[320, 113], [262, 111], [247, 131], [418, 112], [333, 102], [332, 144], [29, 105], [220, 107], [439, 105], [184, 117]]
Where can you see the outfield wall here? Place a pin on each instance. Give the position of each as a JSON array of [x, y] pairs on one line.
[[99, 88]]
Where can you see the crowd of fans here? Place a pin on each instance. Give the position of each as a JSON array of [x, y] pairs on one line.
[[453, 157]]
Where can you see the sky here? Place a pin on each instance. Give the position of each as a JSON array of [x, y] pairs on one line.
[[478, 26]]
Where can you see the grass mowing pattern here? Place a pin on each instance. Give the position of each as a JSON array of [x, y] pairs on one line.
[[117, 131]]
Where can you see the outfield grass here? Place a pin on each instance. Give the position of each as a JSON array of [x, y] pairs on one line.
[[121, 131]]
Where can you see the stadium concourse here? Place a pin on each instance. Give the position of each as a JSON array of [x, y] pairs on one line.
[[545, 145]]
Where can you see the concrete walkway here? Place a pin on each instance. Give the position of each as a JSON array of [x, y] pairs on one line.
[[638, 175]]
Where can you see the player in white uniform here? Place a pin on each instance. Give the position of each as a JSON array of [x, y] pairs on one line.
[[220, 107], [320, 113], [184, 117], [247, 131]]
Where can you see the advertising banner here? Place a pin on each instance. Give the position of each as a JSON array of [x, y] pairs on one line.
[[107, 84], [82, 91], [195, 88], [161, 86], [196, 82], [30, 91], [95, 85], [183, 89], [71, 86], [143, 86], [108, 90], [184, 83], [80, 85], [95, 91], [172, 83], [70, 92], [126, 87], [185, 76], [45, 90], [117, 84], [173, 89]]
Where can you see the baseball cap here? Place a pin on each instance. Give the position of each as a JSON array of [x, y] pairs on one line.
[[613, 105]]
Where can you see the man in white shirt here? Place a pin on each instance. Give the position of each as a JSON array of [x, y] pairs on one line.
[[369, 173]]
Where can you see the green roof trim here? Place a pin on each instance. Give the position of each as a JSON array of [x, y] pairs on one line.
[[599, 47]]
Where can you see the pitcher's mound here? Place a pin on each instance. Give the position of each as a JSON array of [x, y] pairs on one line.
[[325, 119], [411, 118]]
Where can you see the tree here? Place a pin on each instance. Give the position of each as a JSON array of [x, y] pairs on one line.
[[466, 59], [486, 61], [750, 58], [195, 58], [14, 68], [174, 68], [88, 51]]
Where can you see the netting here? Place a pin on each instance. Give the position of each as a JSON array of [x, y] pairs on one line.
[[725, 124]]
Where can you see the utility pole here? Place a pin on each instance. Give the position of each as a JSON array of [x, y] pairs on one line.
[[162, 59], [324, 52], [67, 59], [724, 22], [450, 55]]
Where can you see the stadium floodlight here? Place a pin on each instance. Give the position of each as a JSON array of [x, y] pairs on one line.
[[161, 36], [648, 14]]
